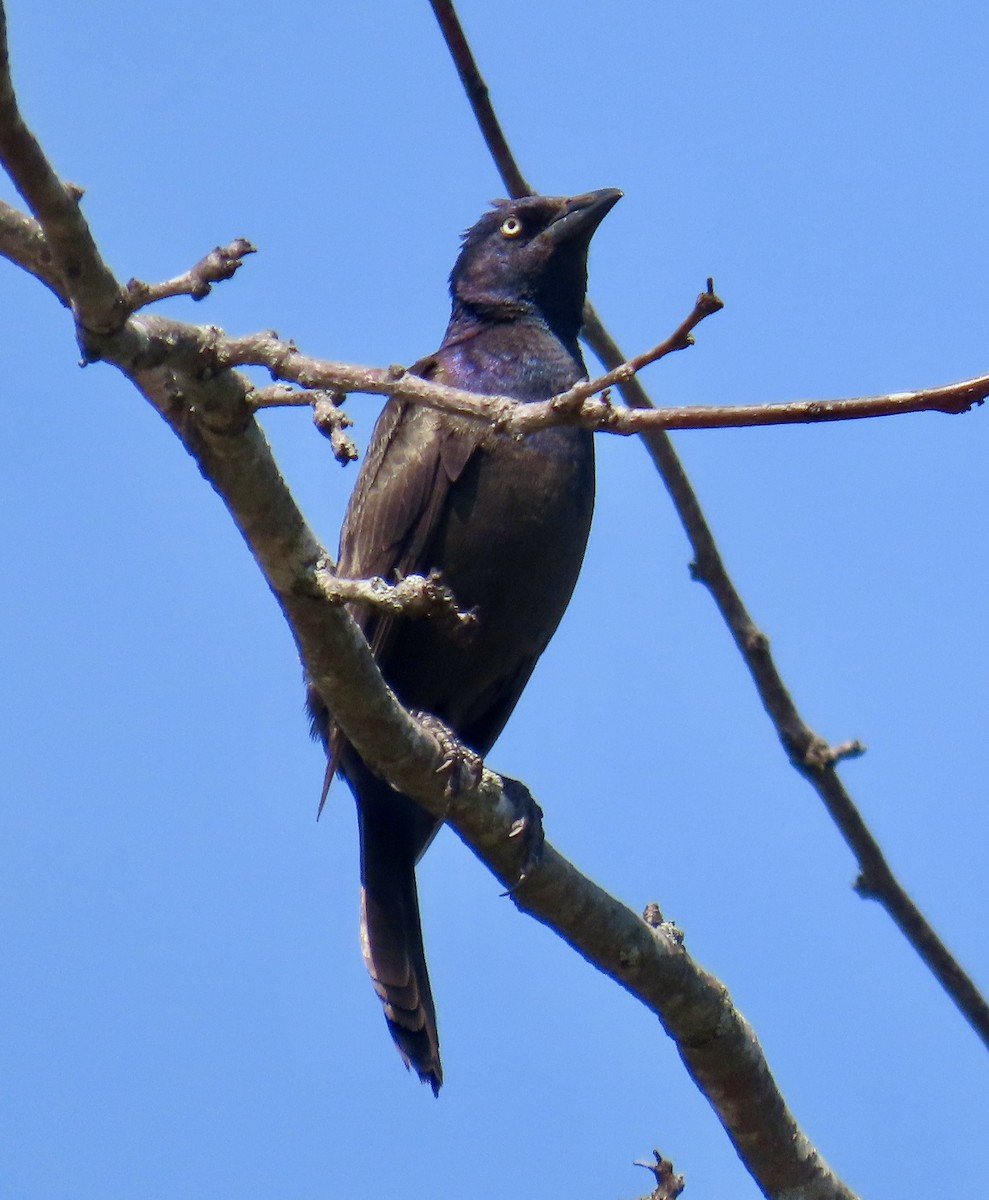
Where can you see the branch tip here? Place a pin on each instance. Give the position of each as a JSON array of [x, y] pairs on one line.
[[819, 755], [221, 263], [850, 749], [669, 1185]]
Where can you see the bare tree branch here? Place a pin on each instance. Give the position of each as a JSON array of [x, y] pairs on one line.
[[23, 242], [221, 263], [327, 383], [328, 417], [480, 99], [808, 752], [669, 1184], [579, 405], [96, 295], [413, 596], [209, 411]]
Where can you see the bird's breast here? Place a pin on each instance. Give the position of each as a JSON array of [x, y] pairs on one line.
[[509, 537], [521, 359], [509, 544]]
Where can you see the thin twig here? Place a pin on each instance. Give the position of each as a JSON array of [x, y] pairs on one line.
[[580, 405], [328, 417], [221, 263], [413, 596], [706, 304], [669, 1184], [480, 101]]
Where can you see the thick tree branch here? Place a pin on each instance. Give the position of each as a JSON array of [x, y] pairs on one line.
[[808, 752], [23, 242], [96, 296], [213, 420], [717, 1044], [208, 408]]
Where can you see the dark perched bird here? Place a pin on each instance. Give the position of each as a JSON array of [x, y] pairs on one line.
[[504, 519]]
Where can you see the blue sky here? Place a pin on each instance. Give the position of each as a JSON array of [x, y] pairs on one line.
[[184, 1012]]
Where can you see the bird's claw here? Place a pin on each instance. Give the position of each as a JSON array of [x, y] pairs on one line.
[[460, 767], [527, 827]]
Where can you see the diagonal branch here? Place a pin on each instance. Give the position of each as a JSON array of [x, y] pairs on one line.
[[210, 413], [23, 242], [480, 99], [809, 753], [96, 295]]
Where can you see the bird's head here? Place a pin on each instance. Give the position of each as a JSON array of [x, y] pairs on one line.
[[530, 256]]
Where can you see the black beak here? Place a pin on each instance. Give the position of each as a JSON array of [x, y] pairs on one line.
[[583, 214]]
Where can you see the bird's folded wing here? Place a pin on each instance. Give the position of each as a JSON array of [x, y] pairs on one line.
[[416, 454]]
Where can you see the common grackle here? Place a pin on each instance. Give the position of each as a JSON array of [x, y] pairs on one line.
[[505, 520]]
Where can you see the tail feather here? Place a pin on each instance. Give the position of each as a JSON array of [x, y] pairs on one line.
[[394, 834], [391, 940], [392, 837]]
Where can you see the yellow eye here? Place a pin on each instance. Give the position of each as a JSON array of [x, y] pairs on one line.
[[511, 227]]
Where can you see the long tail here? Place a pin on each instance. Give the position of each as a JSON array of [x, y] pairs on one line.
[[394, 832]]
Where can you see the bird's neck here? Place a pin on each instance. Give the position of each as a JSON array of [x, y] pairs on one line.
[[519, 356], [470, 317]]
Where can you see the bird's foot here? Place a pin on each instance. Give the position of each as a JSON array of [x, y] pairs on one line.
[[459, 765], [527, 828]]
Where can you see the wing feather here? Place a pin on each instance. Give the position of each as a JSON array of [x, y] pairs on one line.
[[416, 453]]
